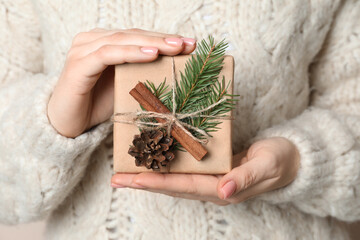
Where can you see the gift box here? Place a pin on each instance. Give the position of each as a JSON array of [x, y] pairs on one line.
[[218, 159]]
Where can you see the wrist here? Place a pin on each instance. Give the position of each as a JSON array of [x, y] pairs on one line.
[[68, 115]]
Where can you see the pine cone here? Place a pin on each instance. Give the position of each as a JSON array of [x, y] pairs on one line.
[[151, 149]]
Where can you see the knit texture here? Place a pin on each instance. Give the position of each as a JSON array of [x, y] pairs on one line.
[[297, 71]]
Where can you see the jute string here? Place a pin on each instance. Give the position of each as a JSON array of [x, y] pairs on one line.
[[173, 118]]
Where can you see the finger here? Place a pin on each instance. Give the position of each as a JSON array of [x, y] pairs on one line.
[[127, 180], [166, 46], [103, 92], [215, 200], [240, 178], [92, 35], [190, 43], [197, 184], [96, 33], [150, 33], [106, 55], [124, 180], [255, 190], [90, 67]]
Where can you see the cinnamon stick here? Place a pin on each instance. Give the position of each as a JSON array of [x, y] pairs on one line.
[[153, 104]]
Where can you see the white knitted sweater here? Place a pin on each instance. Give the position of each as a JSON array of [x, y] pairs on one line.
[[298, 75]]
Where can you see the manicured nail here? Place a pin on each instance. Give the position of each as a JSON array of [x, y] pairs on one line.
[[174, 41], [228, 189], [149, 50], [189, 41], [114, 185]]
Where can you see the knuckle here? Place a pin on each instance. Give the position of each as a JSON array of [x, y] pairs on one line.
[[249, 179], [78, 38], [273, 166], [116, 36], [102, 51], [191, 186], [72, 54], [126, 50]]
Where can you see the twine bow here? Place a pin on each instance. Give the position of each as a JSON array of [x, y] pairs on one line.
[[171, 118]]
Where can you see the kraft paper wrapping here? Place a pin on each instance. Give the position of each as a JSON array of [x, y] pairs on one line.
[[219, 157]]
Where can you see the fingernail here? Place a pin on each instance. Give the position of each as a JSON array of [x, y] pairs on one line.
[[228, 189], [174, 41], [149, 50], [114, 185], [189, 41]]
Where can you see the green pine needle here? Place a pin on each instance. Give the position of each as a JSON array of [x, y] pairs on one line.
[[199, 87]]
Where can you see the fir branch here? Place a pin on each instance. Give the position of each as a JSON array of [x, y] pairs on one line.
[[200, 73], [217, 93], [159, 91], [199, 88], [196, 79]]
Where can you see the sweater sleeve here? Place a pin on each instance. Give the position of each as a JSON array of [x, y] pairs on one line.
[[39, 167], [327, 134]]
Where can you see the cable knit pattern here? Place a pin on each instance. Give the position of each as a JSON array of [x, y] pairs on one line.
[[327, 134], [298, 76]]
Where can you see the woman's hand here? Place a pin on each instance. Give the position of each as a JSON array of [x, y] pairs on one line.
[[83, 96], [267, 165]]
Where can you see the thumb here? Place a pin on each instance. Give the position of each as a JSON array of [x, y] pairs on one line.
[[240, 178]]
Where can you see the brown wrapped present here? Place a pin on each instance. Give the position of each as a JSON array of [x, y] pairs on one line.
[[218, 159]]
